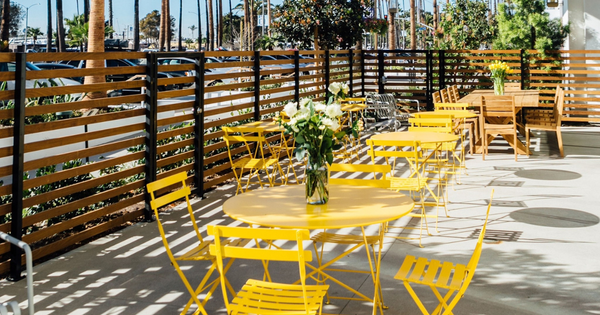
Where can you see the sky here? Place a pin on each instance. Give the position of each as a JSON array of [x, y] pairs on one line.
[[123, 12]]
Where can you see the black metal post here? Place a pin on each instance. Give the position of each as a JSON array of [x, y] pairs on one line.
[[327, 75], [442, 69], [362, 72], [351, 74], [199, 128], [151, 125], [297, 76], [381, 72], [257, 85], [523, 69], [17, 166], [429, 78]]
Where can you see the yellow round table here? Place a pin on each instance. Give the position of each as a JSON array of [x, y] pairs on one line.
[[348, 206], [423, 137]]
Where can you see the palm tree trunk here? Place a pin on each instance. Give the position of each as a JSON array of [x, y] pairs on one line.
[[162, 33], [413, 31], [245, 36], [96, 44], [5, 26], [179, 46], [199, 28], [231, 25], [211, 26], [168, 25], [60, 29], [136, 25], [49, 29], [220, 25], [110, 16], [86, 10], [207, 26]]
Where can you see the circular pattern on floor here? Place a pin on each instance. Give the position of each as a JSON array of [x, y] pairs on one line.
[[547, 174], [555, 217]]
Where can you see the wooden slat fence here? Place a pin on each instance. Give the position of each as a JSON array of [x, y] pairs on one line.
[[81, 176]]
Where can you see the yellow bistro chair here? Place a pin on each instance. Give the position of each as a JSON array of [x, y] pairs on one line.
[[415, 183], [257, 155], [355, 241], [455, 278], [260, 297], [198, 253], [462, 125]]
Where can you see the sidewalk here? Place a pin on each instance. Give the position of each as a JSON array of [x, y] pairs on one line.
[[545, 259]]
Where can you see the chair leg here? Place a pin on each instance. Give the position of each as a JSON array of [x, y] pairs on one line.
[[527, 140], [515, 145], [560, 142], [484, 143]]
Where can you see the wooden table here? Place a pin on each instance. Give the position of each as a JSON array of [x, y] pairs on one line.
[[523, 98], [348, 206]]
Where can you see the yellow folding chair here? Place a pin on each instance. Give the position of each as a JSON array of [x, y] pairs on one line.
[[442, 275], [198, 253], [256, 156], [351, 106], [414, 183], [260, 297], [355, 241], [462, 125]]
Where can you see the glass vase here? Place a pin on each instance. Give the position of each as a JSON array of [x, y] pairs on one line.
[[499, 86], [317, 190]]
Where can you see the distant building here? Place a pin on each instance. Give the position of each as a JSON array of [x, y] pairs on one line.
[[584, 17]]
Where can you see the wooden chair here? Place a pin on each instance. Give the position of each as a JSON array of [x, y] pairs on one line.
[[437, 97], [445, 96], [453, 94], [512, 86], [453, 277], [199, 252], [353, 241], [257, 155], [415, 183], [497, 117], [261, 297], [469, 125], [547, 119]]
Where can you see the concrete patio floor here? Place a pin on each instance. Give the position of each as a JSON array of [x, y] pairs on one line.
[[546, 261]]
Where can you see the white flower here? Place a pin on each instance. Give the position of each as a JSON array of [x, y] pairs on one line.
[[330, 123], [320, 107], [334, 88], [322, 127], [320, 137], [345, 88], [295, 129], [291, 109], [334, 110], [304, 102]]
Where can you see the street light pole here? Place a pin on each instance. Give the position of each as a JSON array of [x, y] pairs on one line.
[[27, 23]]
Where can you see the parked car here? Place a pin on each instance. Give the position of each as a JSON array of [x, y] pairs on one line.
[[80, 64], [37, 83], [55, 66], [207, 60]]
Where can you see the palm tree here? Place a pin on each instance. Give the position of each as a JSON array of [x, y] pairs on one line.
[[269, 17], [49, 29], [193, 28], [136, 23], [60, 29], [168, 25], [199, 28], [179, 45], [162, 34], [211, 26], [413, 34], [110, 16], [220, 25], [5, 27], [96, 43]]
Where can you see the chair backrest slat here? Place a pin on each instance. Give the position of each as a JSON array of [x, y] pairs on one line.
[[445, 96], [498, 106], [382, 182], [451, 106], [512, 86]]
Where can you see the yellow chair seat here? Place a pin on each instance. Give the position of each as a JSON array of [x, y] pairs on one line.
[[260, 297], [423, 271], [248, 163], [325, 237], [199, 252], [404, 183]]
